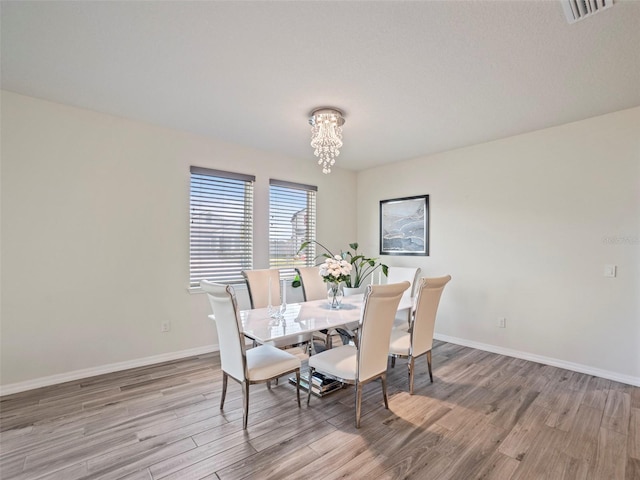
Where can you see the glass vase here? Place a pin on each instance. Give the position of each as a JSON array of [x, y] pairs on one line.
[[335, 295]]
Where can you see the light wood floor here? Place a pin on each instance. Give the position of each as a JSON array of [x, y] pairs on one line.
[[485, 417]]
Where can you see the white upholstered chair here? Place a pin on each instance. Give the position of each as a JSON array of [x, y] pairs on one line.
[[313, 286], [418, 339], [368, 361], [264, 284], [259, 282], [400, 274], [256, 365]]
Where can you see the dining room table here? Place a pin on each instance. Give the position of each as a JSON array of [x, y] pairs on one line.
[[264, 325]]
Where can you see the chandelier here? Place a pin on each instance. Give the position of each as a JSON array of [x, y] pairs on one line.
[[326, 136]]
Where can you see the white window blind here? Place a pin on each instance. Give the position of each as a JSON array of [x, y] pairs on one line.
[[221, 226], [292, 221]]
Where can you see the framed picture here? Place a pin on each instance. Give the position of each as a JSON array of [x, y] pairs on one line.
[[404, 226]]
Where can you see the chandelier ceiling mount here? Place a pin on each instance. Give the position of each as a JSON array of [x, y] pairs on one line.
[[326, 135]]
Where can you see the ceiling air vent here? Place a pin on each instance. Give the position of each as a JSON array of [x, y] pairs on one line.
[[576, 10]]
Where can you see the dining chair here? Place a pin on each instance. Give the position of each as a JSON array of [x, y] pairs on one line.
[[263, 286], [417, 340], [349, 333], [260, 364], [314, 288], [368, 361], [400, 274]]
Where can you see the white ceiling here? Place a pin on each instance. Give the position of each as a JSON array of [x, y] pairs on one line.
[[413, 78]]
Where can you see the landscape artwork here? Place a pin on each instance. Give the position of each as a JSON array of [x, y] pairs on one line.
[[404, 226]]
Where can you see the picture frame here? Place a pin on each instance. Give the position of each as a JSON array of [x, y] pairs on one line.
[[404, 226]]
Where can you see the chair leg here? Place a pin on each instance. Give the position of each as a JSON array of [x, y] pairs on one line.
[[309, 385], [429, 365], [225, 377], [298, 386], [358, 402], [245, 401], [383, 379], [268, 384], [393, 361], [412, 364]]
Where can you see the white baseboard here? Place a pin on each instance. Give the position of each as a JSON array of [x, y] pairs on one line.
[[166, 357], [574, 367], [102, 369]]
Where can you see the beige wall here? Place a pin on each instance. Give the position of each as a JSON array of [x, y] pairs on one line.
[[525, 226], [95, 237]]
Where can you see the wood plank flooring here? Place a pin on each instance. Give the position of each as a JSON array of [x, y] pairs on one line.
[[486, 416]]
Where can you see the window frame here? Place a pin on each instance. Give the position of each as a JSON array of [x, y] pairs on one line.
[[231, 196], [287, 193]]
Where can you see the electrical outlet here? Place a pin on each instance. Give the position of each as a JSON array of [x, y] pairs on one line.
[[610, 271], [165, 327], [502, 322]]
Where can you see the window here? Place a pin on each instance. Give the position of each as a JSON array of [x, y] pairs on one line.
[[221, 226], [292, 221]]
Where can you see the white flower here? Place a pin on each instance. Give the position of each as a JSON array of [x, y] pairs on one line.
[[335, 269]]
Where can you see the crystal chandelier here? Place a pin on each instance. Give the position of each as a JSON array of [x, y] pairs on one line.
[[326, 136]]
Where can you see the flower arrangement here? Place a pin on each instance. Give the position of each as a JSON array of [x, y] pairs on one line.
[[361, 266], [335, 269]]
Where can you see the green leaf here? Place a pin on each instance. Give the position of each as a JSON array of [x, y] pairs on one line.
[[385, 270], [354, 246], [303, 246]]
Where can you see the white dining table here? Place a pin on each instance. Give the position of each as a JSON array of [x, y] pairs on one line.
[[305, 317]]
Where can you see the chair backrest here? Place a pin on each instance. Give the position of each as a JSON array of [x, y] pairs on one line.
[[313, 286], [400, 274], [379, 310], [225, 310], [259, 282], [429, 292]]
